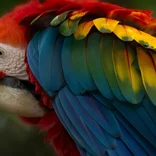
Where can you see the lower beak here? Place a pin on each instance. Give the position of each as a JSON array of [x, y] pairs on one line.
[[16, 98]]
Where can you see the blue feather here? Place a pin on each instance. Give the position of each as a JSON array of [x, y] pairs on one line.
[[121, 149], [97, 95], [150, 108], [32, 55], [109, 116], [89, 121], [136, 135], [50, 69], [147, 119], [68, 125], [131, 142], [80, 126], [129, 111], [107, 122], [68, 69], [112, 153], [82, 151]]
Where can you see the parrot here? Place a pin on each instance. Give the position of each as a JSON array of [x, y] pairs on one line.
[[84, 72]]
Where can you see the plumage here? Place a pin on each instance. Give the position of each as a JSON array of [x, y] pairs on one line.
[[83, 30], [147, 68], [79, 60], [105, 77], [68, 69], [106, 50], [131, 114], [137, 136], [128, 77], [105, 25], [68, 27], [59, 19], [94, 63]]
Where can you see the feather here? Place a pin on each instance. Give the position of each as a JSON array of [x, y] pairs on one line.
[[98, 96], [68, 70], [79, 124], [131, 142], [112, 153], [95, 65], [75, 15], [121, 149], [105, 25], [79, 60], [128, 77], [110, 125], [82, 151], [50, 59], [68, 27], [130, 112], [150, 108], [32, 55], [106, 45], [59, 18], [148, 73], [90, 122], [102, 115], [37, 20], [147, 119], [149, 148], [125, 33], [83, 30], [68, 125]]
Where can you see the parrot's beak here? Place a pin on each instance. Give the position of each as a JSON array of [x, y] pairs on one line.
[[17, 97]]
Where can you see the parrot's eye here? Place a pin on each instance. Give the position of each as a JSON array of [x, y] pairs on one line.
[[1, 52]]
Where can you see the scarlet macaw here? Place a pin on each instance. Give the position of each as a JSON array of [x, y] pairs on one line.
[[93, 65]]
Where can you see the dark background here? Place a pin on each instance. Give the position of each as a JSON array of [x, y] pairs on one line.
[[18, 139]]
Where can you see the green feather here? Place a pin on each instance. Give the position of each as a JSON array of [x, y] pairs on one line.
[[41, 15], [59, 19], [79, 59], [128, 77], [106, 45], [68, 27], [95, 65]]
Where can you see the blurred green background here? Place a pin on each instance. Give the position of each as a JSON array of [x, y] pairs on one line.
[[18, 139]]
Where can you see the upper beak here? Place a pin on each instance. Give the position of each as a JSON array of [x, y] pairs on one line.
[[16, 98]]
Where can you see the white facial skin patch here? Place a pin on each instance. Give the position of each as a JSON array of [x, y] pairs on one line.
[[12, 61], [14, 100]]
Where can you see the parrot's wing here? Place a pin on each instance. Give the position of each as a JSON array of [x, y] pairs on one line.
[[102, 74]]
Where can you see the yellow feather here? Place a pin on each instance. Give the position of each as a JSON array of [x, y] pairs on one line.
[[77, 14], [125, 33], [105, 25], [83, 30], [143, 38], [152, 43], [128, 77], [148, 73]]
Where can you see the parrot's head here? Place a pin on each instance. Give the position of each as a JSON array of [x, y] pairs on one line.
[[16, 94]]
